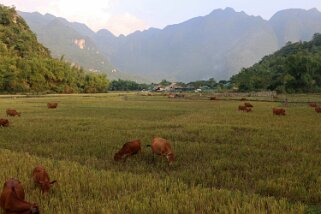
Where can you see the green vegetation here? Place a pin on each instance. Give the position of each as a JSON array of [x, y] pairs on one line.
[[295, 68], [226, 161], [127, 85], [26, 65]]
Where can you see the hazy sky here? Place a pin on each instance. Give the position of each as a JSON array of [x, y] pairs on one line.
[[126, 16]]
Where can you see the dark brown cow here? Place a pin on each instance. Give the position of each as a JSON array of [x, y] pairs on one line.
[[4, 122], [41, 178], [317, 109], [161, 146], [52, 105], [12, 199], [278, 111], [12, 112], [242, 108], [212, 98], [313, 105], [248, 105], [128, 149]]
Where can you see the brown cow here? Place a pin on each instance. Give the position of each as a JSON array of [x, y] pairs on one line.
[[317, 109], [128, 149], [162, 147], [278, 111], [52, 105], [313, 105], [4, 122], [12, 112], [41, 178], [12, 199], [212, 98], [242, 108], [248, 105], [243, 99]]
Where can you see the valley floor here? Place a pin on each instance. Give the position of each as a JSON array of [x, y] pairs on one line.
[[227, 161]]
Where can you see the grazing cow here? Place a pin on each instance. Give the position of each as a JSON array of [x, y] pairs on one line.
[[12, 199], [317, 109], [248, 105], [162, 147], [41, 178], [52, 105], [4, 122], [128, 149], [171, 96], [242, 108], [278, 111], [212, 98], [12, 112], [313, 105]]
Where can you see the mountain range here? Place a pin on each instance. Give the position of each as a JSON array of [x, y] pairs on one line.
[[216, 46]]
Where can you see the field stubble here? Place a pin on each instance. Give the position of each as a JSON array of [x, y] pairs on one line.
[[226, 161]]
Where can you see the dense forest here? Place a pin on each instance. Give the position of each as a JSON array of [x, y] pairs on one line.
[[296, 68], [27, 66], [127, 85]]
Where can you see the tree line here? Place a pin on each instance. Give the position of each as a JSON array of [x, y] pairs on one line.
[[128, 85]]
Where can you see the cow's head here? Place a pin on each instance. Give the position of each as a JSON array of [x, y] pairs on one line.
[[117, 157], [46, 185]]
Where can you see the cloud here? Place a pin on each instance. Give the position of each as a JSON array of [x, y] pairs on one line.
[[94, 13], [125, 24], [97, 14]]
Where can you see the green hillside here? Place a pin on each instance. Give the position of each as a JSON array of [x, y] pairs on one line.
[[27, 66], [295, 68]]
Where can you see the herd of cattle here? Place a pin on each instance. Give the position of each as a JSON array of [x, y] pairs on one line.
[[13, 113], [247, 107], [12, 199], [159, 146]]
